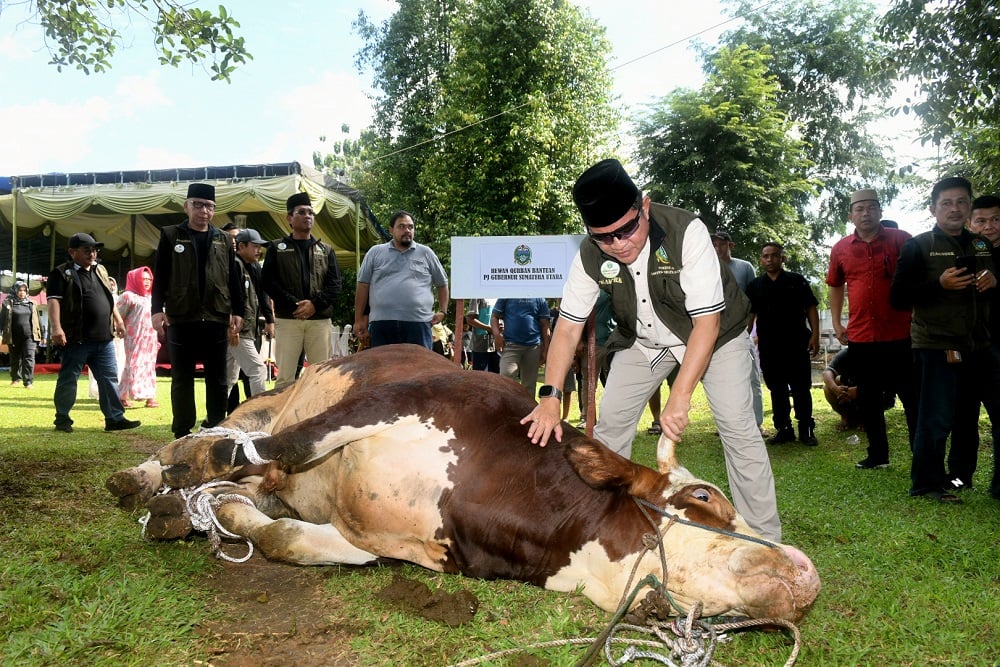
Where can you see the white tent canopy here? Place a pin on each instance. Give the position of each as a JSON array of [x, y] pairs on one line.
[[126, 210]]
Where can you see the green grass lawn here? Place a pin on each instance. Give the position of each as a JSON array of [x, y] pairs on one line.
[[906, 581]]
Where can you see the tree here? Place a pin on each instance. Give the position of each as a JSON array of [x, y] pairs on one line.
[[409, 54], [85, 33], [826, 60], [495, 111], [528, 110], [947, 49], [730, 154]]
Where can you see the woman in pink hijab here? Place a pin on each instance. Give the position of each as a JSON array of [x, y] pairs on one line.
[[139, 377]]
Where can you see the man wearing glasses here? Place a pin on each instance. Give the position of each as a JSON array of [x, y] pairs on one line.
[[674, 306], [945, 275], [84, 324], [302, 278], [197, 300], [862, 264]]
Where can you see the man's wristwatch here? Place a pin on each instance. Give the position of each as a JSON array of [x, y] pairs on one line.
[[548, 391]]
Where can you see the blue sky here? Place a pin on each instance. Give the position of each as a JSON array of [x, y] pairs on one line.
[[302, 84]]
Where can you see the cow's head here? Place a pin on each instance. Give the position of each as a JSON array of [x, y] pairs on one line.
[[712, 555]]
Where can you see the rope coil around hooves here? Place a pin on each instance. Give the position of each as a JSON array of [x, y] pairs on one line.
[[201, 507]]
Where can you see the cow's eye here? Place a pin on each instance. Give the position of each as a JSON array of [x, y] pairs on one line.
[[702, 495]]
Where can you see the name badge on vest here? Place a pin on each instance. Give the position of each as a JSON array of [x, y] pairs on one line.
[[179, 248], [610, 269]]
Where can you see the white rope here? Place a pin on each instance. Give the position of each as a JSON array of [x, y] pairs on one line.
[[242, 438], [202, 507]]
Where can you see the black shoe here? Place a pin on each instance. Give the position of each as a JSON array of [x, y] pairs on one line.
[[65, 428], [784, 434], [868, 464], [958, 484], [807, 435], [121, 425]]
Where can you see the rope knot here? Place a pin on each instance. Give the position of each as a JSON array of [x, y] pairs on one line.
[[242, 439]]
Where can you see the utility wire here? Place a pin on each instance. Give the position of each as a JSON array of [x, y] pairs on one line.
[[512, 109]]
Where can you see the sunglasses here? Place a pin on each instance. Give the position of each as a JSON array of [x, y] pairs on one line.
[[623, 232]]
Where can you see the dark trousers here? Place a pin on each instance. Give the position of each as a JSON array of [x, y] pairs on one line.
[[884, 369], [190, 343], [389, 332], [486, 361], [22, 361], [787, 372], [982, 388], [939, 397]]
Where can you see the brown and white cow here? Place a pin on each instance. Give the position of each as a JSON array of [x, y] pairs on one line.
[[394, 452]]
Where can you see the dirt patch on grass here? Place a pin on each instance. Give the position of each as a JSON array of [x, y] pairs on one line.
[[277, 615]]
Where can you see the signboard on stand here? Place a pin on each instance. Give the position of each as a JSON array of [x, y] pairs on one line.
[[492, 267]]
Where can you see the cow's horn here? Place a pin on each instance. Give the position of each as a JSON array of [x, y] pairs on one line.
[[666, 459]]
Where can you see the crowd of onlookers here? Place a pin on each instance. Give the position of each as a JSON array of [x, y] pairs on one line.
[[671, 304]]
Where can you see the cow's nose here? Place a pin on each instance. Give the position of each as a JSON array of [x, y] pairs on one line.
[[800, 559]]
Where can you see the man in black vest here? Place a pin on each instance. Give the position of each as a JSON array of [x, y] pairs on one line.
[[85, 323], [674, 306], [242, 353], [302, 278], [197, 299], [945, 275]]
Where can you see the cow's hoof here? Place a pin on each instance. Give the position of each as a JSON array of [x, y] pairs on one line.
[[132, 487], [168, 518]]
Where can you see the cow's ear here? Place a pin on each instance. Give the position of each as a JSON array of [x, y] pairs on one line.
[[601, 468]]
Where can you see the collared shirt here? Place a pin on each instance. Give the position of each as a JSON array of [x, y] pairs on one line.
[[867, 269], [699, 279]]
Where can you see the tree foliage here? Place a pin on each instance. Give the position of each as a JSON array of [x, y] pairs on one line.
[[409, 55], [827, 63], [947, 49], [511, 102], [86, 33], [729, 153]]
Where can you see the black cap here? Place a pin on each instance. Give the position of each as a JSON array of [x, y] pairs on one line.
[[298, 199], [724, 236], [604, 193], [201, 191], [82, 240]]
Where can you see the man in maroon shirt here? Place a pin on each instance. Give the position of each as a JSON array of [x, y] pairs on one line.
[[878, 335]]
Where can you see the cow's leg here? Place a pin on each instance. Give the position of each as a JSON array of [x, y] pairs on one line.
[[135, 486], [290, 540]]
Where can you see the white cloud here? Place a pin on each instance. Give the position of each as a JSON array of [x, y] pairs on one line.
[[42, 134], [135, 93]]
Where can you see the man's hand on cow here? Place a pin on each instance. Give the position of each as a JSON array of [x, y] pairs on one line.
[[545, 421]]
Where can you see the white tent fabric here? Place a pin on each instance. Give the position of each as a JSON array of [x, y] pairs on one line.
[[127, 216]]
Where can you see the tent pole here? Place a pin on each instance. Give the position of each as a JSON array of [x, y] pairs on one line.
[[52, 246], [13, 233], [357, 237], [131, 248]]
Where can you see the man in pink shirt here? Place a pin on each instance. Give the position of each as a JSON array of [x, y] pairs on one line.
[[862, 265]]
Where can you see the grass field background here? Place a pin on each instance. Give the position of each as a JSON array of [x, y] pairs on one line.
[[906, 581]]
